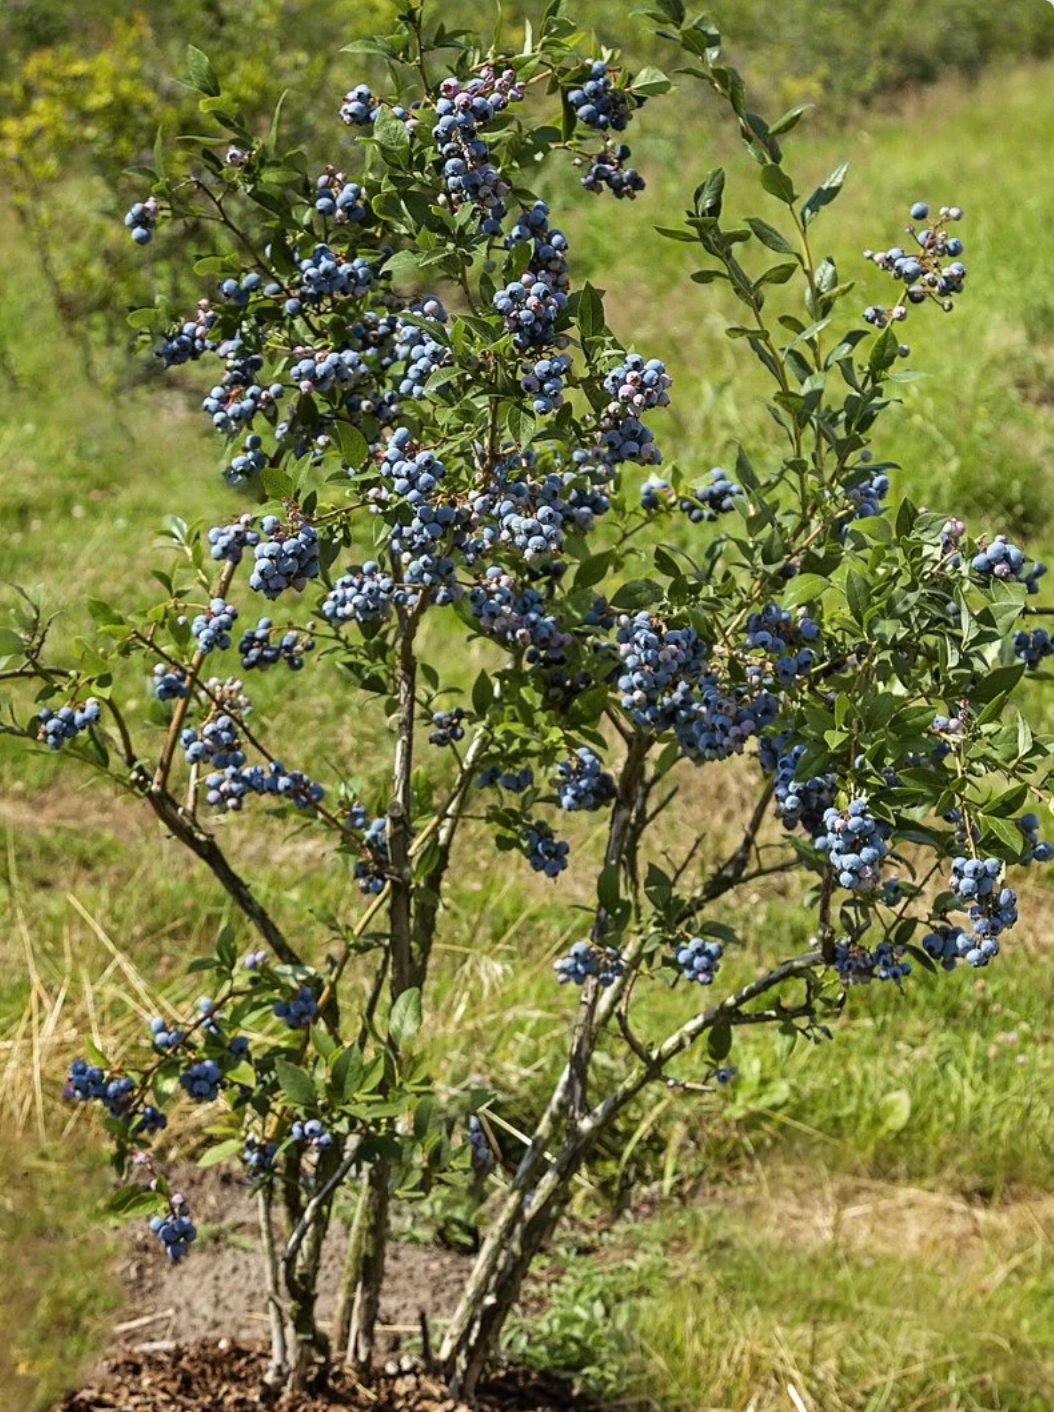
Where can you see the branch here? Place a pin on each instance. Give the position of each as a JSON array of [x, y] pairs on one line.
[[205, 847], [571, 1090], [399, 810], [428, 898], [314, 1206]]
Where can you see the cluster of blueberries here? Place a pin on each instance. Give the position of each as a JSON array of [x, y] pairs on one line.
[[299, 1010], [359, 108], [264, 645], [607, 171], [469, 175], [372, 870], [364, 594], [162, 1036], [313, 1133], [515, 781], [544, 381], [324, 274], [581, 782], [867, 495], [1003, 560], [545, 853], [141, 219], [717, 720], [288, 558], [585, 960], [339, 199], [665, 685], [229, 542], [212, 628], [700, 959], [855, 844], [252, 458], [774, 633], [856, 964], [321, 370], [68, 721], [217, 745], [175, 1230], [235, 400], [481, 1156], [516, 616], [1036, 851], [598, 103], [418, 350], [928, 273], [87, 1083], [258, 1158], [804, 802], [530, 307], [226, 789], [659, 665], [703, 503], [201, 1080], [549, 245], [447, 726], [1032, 647], [532, 514], [239, 291], [170, 683], [639, 384], [190, 340]]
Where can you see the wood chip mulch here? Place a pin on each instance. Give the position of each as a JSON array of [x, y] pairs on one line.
[[222, 1376]]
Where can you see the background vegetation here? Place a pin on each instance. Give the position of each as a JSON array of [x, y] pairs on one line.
[[868, 1223]]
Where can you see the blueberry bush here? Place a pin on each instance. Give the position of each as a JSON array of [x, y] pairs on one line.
[[443, 440]]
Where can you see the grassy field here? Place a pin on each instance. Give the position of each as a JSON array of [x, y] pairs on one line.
[[868, 1222]]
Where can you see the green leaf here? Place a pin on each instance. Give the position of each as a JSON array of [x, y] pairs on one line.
[[202, 74], [373, 45], [220, 1152], [276, 120], [719, 1042], [777, 274], [637, 593], [650, 82], [592, 570], [405, 1018], [590, 312], [805, 588], [392, 137], [770, 236], [159, 154], [777, 183], [103, 613], [353, 445], [522, 424], [858, 594], [482, 694], [608, 887], [884, 351], [789, 119], [824, 194], [347, 1071], [135, 1201], [295, 1083], [709, 194]]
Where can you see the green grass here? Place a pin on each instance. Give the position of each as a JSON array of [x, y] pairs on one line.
[[949, 1088]]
